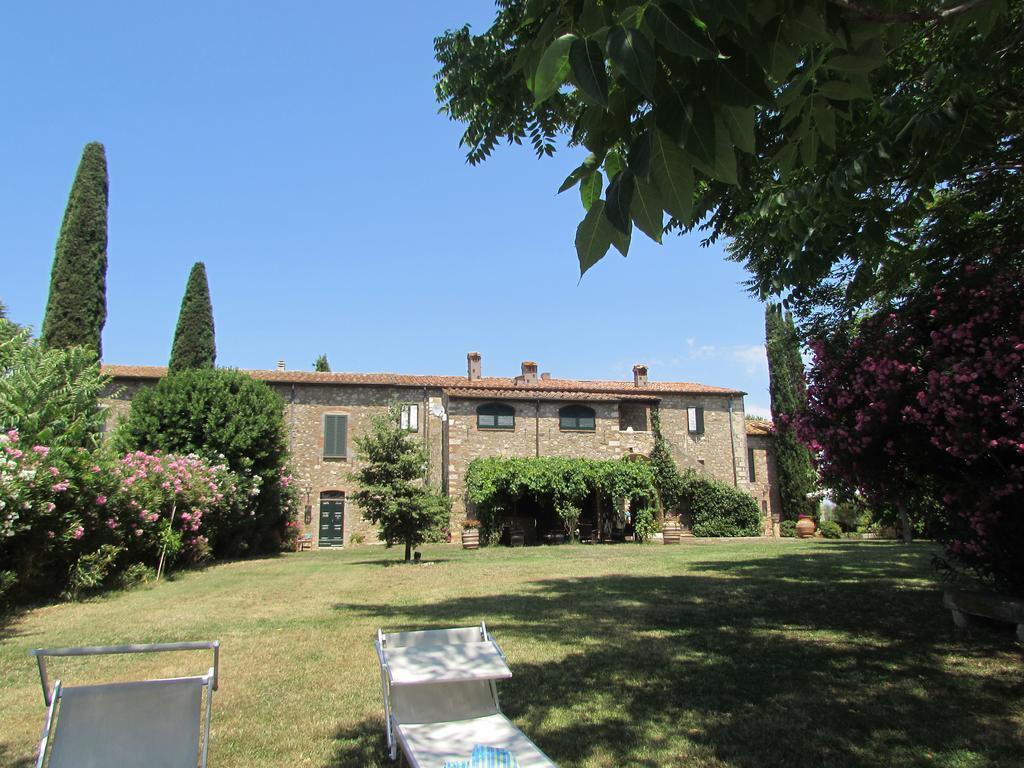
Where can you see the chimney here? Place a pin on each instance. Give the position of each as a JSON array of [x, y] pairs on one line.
[[640, 375], [473, 359], [280, 365], [529, 373], [545, 377]]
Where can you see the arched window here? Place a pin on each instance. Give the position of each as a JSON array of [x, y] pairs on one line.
[[577, 417], [495, 416]]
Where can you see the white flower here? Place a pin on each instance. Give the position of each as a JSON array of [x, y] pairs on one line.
[[27, 474]]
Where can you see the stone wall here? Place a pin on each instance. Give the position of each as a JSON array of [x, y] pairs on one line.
[[536, 433], [448, 428], [305, 408], [721, 451], [765, 488]]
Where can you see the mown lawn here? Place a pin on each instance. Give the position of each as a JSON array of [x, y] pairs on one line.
[[745, 654]]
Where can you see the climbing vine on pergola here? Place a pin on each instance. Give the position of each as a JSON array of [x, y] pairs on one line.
[[494, 484]]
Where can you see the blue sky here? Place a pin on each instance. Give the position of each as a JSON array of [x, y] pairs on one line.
[[297, 150]]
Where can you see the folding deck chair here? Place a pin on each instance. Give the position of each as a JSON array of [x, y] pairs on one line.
[[440, 697], [151, 723]]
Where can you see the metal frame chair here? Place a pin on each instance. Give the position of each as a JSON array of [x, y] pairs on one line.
[[441, 700], [152, 723]]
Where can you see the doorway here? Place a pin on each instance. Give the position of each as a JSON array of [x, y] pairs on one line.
[[332, 519]]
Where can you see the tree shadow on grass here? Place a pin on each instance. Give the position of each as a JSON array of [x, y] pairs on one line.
[[400, 561], [363, 744], [9, 759], [826, 657]]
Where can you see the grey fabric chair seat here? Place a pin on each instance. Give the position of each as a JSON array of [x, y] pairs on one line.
[[138, 724]]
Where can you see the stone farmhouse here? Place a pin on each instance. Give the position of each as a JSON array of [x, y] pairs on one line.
[[463, 418]]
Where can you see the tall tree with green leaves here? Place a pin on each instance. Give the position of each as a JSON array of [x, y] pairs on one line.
[[77, 306], [795, 468], [827, 139], [320, 365], [394, 493], [194, 345]]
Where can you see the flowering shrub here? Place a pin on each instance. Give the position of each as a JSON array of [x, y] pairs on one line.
[[922, 410], [71, 525], [42, 495]]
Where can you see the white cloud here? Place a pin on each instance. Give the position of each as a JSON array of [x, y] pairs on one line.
[[752, 357], [700, 352]]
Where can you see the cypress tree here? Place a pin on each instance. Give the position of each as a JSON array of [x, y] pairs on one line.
[[194, 345], [321, 365], [77, 307], [796, 475]]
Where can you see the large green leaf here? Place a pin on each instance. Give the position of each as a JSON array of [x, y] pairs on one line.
[[824, 121], [632, 58], [621, 240], [838, 90], [639, 158], [648, 210], [740, 122], [699, 133], [739, 82], [674, 29], [553, 68], [672, 174], [586, 168], [619, 200], [725, 154], [591, 188], [593, 237], [587, 63]]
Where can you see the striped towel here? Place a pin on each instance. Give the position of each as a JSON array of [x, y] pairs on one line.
[[486, 757]]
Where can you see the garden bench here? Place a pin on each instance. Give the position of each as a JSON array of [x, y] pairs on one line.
[[305, 541], [966, 606]]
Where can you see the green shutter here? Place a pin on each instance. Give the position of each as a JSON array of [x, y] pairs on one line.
[[335, 436], [700, 421]]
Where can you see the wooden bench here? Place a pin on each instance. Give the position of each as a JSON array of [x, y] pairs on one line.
[[305, 541], [966, 606]]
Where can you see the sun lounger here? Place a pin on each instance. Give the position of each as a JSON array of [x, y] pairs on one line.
[[441, 701], [151, 723]]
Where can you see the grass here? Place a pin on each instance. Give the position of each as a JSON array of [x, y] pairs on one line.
[[738, 654]]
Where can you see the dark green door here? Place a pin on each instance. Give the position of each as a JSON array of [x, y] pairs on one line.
[[332, 519]]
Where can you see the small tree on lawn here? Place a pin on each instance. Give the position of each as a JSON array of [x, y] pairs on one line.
[[394, 493], [194, 345]]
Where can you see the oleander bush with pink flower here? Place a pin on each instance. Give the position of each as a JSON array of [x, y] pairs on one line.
[[75, 515], [921, 409]]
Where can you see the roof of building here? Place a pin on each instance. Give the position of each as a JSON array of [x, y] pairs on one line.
[[760, 427], [461, 386]]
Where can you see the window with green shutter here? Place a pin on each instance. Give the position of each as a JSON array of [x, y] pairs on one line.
[[335, 436], [578, 418], [495, 416]]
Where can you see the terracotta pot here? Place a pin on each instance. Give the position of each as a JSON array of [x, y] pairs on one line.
[[805, 528], [470, 538], [670, 532]]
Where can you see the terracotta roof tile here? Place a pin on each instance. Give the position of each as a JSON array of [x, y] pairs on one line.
[[760, 428], [524, 393], [453, 383]]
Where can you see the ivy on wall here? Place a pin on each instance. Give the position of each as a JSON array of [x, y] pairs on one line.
[[494, 484]]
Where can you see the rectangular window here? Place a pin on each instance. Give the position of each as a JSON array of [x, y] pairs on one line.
[[751, 472], [506, 421], [486, 420], [632, 417], [695, 420], [335, 436], [411, 417]]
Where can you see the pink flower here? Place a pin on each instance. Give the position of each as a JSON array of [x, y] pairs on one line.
[[96, 469], [54, 471], [101, 500], [50, 507], [13, 434], [111, 523], [42, 450], [60, 487], [79, 533]]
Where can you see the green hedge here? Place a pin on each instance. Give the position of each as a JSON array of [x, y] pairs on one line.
[[718, 509]]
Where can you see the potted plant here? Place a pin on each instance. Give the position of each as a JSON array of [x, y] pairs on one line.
[[470, 534]]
